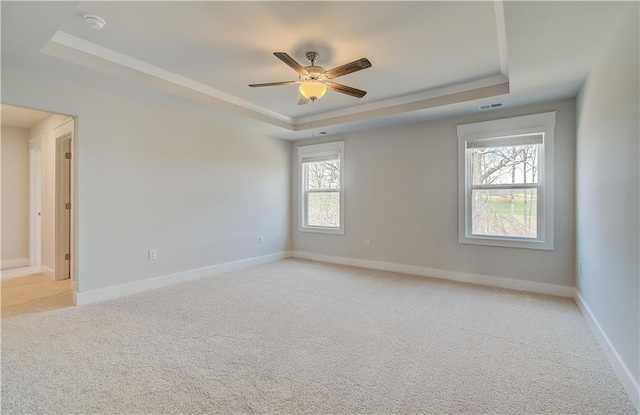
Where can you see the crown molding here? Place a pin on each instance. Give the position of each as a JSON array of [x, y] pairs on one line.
[[501, 27], [89, 54], [74, 49], [468, 91]]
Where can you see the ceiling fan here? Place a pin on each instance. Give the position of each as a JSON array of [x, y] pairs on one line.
[[315, 80]]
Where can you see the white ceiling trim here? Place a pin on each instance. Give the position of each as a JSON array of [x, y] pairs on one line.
[[413, 99], [501, 26], [89, 54], [437, 101], [111, 55]]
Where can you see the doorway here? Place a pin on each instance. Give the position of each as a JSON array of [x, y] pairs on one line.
[[37, 270]]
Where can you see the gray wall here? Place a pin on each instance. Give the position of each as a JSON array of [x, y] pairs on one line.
[[15, 194], [607, 189], [152, 176], [402, 193]]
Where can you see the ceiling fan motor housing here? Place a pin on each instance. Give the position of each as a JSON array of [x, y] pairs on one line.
[[315, 73]]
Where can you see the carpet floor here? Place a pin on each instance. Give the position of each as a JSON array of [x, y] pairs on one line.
[[298, 336], [33, 294]]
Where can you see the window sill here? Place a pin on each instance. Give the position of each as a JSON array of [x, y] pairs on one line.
[[334, 231], [507, 242]]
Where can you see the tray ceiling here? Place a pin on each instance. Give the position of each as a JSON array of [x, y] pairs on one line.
[[430, 59]]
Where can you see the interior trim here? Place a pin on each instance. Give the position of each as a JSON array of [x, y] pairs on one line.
[[501, 26], [14, 263], [107, 293], [73, 49], [630, 384], [438, 101], [91, 55], [19, 272], [478, 279]]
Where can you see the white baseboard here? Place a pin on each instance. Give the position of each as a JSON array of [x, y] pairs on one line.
[[14, 263], [629, 383], [48, 272], [19, 272], [511, 284], [102, 294]]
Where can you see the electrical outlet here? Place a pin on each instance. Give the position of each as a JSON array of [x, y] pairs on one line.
[[261, 240], [153, 254], [367, 242]]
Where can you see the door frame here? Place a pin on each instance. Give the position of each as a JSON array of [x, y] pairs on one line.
[[35, 201], [64, 228]]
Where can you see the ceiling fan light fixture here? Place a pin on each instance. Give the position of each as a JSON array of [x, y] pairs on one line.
[[313, 90], [315, 80]]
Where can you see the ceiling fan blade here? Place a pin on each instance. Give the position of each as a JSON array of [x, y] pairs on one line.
[[303, 100], [274, 84], [291, 62], [348, 68], [354, 92]]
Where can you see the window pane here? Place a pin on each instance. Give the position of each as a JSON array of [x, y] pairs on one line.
[[323, 175], [324, 209], [509, 212], [505, 165]]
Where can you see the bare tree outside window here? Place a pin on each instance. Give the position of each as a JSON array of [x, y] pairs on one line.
[[505, 182], [504, 190], [321, 188], [323, 193]]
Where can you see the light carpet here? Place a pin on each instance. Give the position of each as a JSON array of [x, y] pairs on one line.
[[33, 294], [297, 336]]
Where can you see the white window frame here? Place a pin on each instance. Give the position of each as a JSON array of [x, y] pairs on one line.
[[544, 124], [317, 150]]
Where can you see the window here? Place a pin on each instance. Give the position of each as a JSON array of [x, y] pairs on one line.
[[506, 182], [322, 190]]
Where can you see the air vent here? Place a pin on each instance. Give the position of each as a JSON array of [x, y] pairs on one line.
[[491, 106]]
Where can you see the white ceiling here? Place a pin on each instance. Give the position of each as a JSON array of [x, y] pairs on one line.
[[414, 46], [430, 59], [21, 117]]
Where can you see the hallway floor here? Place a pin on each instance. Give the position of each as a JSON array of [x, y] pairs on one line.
[[33, 294]]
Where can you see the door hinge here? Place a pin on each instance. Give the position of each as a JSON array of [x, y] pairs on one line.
[[67, 156], [67, 257], [67, 206]]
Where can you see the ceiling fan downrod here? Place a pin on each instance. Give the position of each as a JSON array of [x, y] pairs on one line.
[[312, 57]]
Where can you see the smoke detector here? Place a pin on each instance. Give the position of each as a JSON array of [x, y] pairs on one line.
[[94, 22]]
